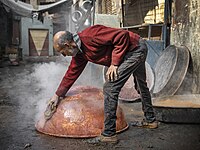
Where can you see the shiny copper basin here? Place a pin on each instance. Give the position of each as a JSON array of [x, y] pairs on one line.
[[80, 114]]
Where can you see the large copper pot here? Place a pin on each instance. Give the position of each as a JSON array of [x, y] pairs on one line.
[[80, 114]]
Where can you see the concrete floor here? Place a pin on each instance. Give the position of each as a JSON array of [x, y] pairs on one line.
[[20, 97]]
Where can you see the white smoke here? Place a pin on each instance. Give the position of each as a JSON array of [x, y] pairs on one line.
[[37, 83], [47, 78]]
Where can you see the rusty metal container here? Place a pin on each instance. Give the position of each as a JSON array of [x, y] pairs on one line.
[[178, 108], [79, 115]]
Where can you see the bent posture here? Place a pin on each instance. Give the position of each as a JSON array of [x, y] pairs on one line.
[[123, 52]]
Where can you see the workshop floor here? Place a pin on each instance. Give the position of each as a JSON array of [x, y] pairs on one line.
[[19, 104]]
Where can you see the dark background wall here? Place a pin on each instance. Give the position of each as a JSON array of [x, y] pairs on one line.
[[5, 30], [186, 30]]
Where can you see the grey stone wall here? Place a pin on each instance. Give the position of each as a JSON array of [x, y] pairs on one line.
[[186, 31]]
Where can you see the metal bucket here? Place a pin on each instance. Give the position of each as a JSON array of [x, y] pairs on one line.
[[178, 108], [80, 114]]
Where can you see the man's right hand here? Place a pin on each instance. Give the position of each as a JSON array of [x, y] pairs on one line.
[[54, 99], [111, 73], [51, 107]]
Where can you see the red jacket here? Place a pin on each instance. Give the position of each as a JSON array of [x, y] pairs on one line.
[[100, 45]]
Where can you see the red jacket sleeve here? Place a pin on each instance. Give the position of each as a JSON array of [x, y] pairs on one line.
[[118, 38], [76, 67]]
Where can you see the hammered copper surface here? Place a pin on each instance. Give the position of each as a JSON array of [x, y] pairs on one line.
[[80, 114]]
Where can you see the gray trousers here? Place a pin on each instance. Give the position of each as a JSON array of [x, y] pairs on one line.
[[133, 64]]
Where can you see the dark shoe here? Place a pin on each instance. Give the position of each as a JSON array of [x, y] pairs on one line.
[[109, 139], [150, 125], [145, 124], [104, 139]]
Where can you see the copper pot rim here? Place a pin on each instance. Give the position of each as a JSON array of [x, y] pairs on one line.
[[79, 136]]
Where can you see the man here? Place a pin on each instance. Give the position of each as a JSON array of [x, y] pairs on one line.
[[124, 53]]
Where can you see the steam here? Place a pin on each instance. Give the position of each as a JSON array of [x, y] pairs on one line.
[[37, 83], [46, 79]]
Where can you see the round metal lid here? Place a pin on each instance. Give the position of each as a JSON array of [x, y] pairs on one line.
[[170, 70]]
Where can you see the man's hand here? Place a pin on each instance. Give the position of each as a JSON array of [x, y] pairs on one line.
[[111, 74], [51, 107], [54, 100]]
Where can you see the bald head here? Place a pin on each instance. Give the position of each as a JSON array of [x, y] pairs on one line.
[[56, 40], [60, 38], [64, 43]]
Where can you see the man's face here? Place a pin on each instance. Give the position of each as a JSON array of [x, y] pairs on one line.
[[69, 50]]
